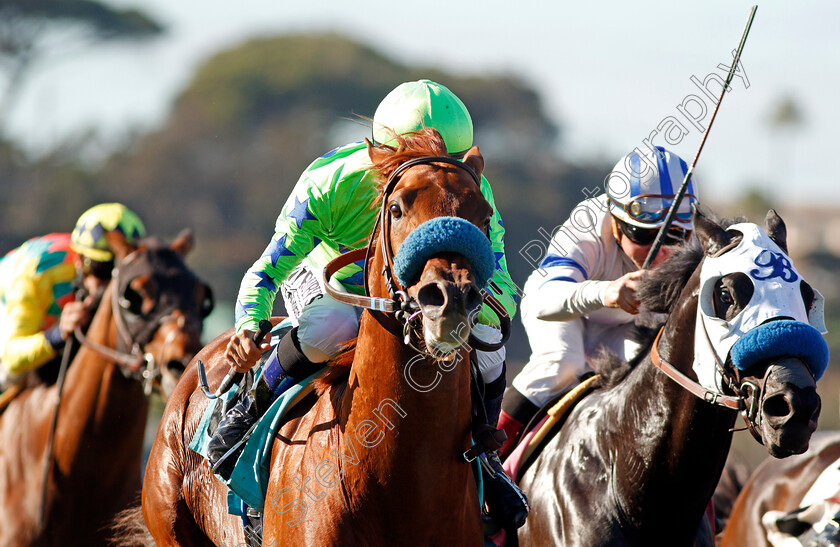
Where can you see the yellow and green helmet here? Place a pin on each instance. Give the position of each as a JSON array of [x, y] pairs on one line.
[[88, 238], [411, 106]]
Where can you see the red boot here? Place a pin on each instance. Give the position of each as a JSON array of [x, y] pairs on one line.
[[513, 428]]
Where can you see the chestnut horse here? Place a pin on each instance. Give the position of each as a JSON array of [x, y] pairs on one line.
[[781, 485], [374, 460], [144, 331], [636, 461]]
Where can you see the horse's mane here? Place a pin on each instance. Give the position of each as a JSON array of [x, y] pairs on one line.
[[657, 292], [425, 142], [614, 369]]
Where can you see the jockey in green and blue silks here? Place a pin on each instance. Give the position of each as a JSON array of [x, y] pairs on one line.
[[333, 208]]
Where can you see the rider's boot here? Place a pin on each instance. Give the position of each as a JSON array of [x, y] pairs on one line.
[[507, 505], [517, 411], [512, 428], [286, 366]]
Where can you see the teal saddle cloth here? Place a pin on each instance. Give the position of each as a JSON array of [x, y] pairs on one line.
[[249, 480]]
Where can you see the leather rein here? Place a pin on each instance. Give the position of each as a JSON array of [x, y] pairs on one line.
[[136, 363], [748, 398], [399, 304]]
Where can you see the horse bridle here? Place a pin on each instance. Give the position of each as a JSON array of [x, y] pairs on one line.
[[748, 396], [133, 361], [406, 310], [747, 400]]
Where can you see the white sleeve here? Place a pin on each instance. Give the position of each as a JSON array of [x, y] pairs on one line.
[[559, 300]]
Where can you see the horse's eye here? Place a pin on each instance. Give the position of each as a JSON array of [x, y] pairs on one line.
[[396, 212], [207, 303], [131, 301], [732, 294]]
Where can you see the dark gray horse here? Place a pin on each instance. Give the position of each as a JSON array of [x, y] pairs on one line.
[[638, 460]]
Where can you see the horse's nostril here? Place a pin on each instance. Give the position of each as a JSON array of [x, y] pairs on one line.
[[431, 295], [777, 406]]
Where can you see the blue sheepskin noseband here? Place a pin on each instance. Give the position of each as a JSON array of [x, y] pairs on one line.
[[781, 338], [441, 235]]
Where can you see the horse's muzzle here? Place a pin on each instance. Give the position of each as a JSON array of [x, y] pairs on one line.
[[790, 407], [446, 307]]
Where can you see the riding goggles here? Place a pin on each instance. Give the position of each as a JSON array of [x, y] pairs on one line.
[[645, 236], [650, 208]]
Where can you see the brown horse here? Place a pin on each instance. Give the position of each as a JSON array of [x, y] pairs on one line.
[[636, 461], [375, 459], [781, 485], [144, 331]]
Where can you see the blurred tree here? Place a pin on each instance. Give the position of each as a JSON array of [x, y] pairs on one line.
[[753, 203], [785, 119], [29, 29], [786, 114], [43, 196], [249, 122]]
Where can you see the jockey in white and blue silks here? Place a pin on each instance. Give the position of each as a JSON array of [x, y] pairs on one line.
[[582, 297]]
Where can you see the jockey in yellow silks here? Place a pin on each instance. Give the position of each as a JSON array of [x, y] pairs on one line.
[[38, 308]]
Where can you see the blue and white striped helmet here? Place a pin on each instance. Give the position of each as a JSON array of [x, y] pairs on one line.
[[642, 186]]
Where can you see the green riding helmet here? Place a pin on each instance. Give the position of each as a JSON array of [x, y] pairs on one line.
[[88, 238], [411, 106]]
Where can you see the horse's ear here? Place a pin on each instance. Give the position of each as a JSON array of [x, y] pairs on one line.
[[776, 229], [474, 159], [712, 237], [118, 244], [377, 154], [184, 243]]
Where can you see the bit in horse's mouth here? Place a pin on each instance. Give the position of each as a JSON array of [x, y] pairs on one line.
[[442, 351], [448, 357]]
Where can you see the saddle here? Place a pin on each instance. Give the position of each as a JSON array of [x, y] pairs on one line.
[[544, 426], [816, 525]]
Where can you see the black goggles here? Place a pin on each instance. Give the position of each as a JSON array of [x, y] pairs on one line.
[[645, 236], [99, 270]]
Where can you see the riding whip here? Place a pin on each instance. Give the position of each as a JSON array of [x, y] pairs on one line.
[[62, 374], [657, 243], [232, 376]]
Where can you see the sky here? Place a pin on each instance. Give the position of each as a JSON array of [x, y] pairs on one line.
[[614, 75]]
